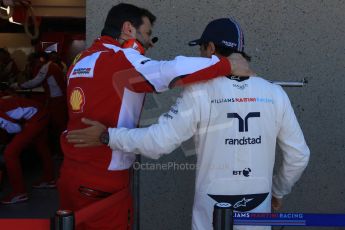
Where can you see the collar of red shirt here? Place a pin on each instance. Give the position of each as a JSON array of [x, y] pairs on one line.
[[108, 40]]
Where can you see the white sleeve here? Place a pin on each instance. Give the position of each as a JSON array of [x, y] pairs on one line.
[[161, 74], [174, 127], [9, 126], [37, 80], [295, 152]]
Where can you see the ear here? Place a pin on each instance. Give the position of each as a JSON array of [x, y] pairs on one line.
[[211, 47], [127, 27]]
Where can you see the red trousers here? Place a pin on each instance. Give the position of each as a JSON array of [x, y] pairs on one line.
[[32, 133], [73, 175], [57, 108]]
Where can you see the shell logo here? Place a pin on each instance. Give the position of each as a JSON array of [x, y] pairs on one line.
[[77, 100]]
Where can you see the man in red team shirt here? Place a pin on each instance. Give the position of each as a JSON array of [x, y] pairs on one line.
[[51, 77], [107, 82], [27, 120]]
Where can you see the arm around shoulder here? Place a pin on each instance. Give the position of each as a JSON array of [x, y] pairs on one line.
[[174, 127]]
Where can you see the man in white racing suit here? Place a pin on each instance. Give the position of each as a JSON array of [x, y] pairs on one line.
[[236, 123]]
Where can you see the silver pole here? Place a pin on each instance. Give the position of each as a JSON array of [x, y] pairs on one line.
[[64, 220], [291, 83]]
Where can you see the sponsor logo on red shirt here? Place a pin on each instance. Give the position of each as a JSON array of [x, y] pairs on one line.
[[77, 100]]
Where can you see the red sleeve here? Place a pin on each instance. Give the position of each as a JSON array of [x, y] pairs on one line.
[[141, 74], [221, 68], [138, 83]]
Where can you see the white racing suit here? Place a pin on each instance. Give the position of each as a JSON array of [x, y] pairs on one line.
[[236, 125]]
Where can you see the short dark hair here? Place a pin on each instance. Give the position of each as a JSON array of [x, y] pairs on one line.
[[226, 52], [42, 54], [125, 12]]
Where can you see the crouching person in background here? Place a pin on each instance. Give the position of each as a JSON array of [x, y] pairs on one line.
[[27, 120]]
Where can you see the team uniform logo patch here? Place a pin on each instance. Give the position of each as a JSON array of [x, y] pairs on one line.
[[81, 71], [77, 100], [84, 68], [241, 203]]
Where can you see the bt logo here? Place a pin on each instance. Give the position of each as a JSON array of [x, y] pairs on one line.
[[245, 172], [243, 123]]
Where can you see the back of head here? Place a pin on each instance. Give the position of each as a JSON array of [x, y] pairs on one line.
[[54, 56], [121, 13], [43, 56]]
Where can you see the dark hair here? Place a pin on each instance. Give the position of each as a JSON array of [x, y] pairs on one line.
[[42, 54], [226, 52], [125, 12]]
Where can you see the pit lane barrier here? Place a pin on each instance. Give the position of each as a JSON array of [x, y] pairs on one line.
[[224, 218]]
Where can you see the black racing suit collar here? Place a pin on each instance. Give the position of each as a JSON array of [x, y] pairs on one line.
[[237, 78]]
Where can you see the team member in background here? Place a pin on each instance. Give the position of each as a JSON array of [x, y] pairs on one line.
[[51, 77], [55, 57], [236, 122], [28, 121], [108, 82]]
